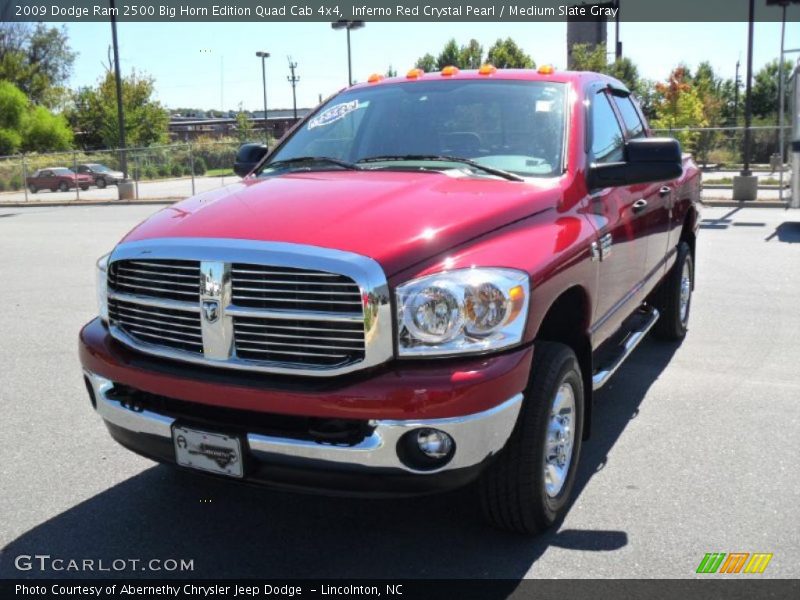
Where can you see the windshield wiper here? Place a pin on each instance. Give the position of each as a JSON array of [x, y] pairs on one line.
[[298, 160], [455, 159]]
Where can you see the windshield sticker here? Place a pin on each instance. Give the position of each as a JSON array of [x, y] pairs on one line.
[[333, 114]]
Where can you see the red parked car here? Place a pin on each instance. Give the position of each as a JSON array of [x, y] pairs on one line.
[[421, 287], [57, 179]]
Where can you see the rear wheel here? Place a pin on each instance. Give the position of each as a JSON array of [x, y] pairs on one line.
[[84, 187], [63, 186], [32, 189], [673, 299], [528, 487]]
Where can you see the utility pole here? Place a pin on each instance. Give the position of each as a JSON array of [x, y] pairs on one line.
[[264, 56], [617, 43], [123, 159], [737, 83], [293, 80]]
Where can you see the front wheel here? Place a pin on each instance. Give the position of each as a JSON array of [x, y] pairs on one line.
[[101, 182], [33, 189], [673, 299], [63, 186], [84, 187], [529, 485]]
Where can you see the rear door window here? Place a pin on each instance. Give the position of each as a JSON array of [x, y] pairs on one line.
[[630, 117]]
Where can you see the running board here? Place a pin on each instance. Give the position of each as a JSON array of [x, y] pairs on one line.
[[601, 377]]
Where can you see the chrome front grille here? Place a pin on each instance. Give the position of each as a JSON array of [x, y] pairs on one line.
[[307, 342], [277, 288], [179, 329], [259, 306], [171, 279]]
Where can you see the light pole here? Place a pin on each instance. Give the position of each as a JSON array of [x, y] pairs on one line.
[[348, 25], [264, 56], [123, 159]]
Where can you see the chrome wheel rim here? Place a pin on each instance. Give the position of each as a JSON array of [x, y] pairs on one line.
[[560, 440], [686, 292]]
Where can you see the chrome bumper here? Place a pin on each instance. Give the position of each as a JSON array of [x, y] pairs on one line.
[[477, 436]]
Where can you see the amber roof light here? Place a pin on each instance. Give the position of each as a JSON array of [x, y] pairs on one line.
[[449, 71], [487, 69], [415, 74]]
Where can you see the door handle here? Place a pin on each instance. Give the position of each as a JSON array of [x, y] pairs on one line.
[[665, 191], [639, 205]]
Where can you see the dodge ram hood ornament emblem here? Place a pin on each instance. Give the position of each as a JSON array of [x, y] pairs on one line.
[[211, 310]]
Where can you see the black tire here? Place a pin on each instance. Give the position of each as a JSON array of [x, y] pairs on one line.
[[84, 187], [32, 189], [63, 187], [101, 182], [513, 488], [673, 323]]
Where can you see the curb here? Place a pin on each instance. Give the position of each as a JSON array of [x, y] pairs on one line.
[[724, 203], [89, 203]]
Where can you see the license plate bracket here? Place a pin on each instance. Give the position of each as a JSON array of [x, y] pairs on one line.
[[208, 451]]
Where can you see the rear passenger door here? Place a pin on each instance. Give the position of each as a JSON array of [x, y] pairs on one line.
[[652, 201], [621, 247]]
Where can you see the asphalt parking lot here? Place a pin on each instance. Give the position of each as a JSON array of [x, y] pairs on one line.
[[695, 446]]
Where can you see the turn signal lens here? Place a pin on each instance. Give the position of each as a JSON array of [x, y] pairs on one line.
[[546, 70], [487, 69], [375, 78], [415, 74], [449, 71]]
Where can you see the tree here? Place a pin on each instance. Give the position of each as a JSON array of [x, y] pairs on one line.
[[450, 55], [24, 127], [505, 54], [391, 71], [471, 55], [244, 127], [37, 59], [765, 89], [679, 106], [427, 63], [585, 57], [94, 113]]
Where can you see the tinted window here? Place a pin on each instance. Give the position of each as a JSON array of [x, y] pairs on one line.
[[606, 135], [517, 126], [633, 124]]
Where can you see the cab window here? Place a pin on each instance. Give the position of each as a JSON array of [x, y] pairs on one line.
[[634, 128], [607, 138]]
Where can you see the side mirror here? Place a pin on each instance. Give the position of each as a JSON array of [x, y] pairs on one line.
[[647, 160], [247, 157]]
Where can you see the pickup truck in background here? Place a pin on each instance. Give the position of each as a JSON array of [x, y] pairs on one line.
[[420, 287]]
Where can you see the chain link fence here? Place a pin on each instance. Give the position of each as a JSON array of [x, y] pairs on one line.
[[158, 172]]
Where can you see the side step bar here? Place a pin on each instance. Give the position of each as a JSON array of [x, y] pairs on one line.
[[601, 377]]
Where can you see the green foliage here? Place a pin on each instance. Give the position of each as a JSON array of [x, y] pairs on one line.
[[150, 172], [765, 89], [391, 72], [427, 63], [470, 56], [199, 166], [505, 54], [679, 106], [244, 127], [13, 106], [163, 170], [10, 142], [46, 132], [37, 59], [94, 112], [450, 55], [177, 170]]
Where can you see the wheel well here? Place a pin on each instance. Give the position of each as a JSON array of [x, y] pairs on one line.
[[567, 322], [687, 232]]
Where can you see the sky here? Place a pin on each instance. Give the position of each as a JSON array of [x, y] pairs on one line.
[[213, 65]]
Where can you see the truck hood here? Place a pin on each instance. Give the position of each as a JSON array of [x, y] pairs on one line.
[[396, 218]]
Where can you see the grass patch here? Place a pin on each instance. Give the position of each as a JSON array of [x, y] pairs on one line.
[[219, 173]]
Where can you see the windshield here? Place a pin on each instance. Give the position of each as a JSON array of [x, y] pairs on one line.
[[509, 126]]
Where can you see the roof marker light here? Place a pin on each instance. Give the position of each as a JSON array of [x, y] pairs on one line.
[[415, 73], [546, 70], [375, 78], [449, 71], [487, 69]]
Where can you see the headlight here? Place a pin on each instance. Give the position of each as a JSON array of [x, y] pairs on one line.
[[102, 287], [463, 311]]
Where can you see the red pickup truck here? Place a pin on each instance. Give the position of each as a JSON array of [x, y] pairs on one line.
[[420, 287]]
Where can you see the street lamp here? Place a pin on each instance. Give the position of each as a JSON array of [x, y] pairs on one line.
[[264, 56], [348, 25]]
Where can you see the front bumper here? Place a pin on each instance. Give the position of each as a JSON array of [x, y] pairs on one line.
[[372, 466], [475, 401]]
